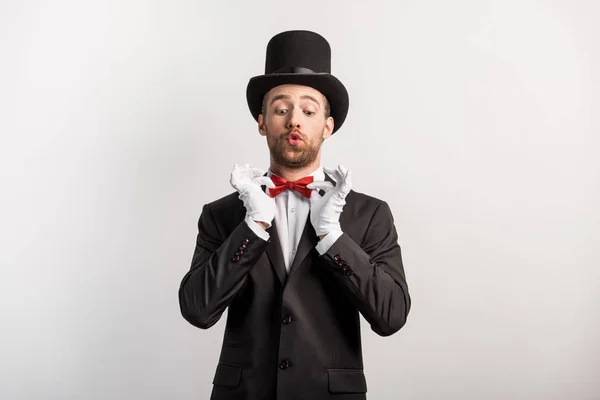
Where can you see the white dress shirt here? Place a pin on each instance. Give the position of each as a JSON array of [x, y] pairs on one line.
[[291, 215]]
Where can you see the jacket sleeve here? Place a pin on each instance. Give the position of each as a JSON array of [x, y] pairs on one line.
[[372, 274], [219, 269]]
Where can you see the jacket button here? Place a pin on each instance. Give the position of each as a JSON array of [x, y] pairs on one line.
[[239, 252], [287, 319], [246, 242], [349, 272], [236, 258], [344, 267], [337, 257], [284, 364]]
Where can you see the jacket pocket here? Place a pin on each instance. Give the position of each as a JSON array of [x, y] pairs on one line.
[[347, 381], [227, 375]]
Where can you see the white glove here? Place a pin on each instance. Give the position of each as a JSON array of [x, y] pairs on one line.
[[247, 181], [325, 211]]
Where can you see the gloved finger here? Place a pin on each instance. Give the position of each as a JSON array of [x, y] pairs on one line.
[[340, 174], [320, 185], [254, 171], [264, 180], [334, 173], [342, 170], [344, 173], [235, 174], [330, 171], [239, 179], [245, 168], [346, 183]]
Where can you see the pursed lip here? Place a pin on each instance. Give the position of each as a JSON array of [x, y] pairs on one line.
[[294, 135]]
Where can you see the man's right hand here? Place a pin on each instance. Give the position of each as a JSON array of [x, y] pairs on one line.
[[247, 180]]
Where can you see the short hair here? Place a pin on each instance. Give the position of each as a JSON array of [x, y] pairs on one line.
[[327, 106]]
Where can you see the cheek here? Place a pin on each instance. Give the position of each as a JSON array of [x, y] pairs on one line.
[[317, 127], [274, 123]]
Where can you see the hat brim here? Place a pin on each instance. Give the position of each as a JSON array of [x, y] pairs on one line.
[[329, 85]]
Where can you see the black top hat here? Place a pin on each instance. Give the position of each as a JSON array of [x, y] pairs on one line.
[[301, 58]]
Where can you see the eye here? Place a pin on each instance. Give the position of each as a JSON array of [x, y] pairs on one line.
[[280, 111], [309, 113]]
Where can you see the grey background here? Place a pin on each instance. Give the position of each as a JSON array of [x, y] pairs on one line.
[[476, 120]]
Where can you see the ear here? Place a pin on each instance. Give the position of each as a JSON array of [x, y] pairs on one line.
[[262, 129], [328, 129]]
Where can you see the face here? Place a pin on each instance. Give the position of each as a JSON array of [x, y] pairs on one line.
[[295, 125]]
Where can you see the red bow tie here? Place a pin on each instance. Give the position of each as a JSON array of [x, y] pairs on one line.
[[281, 185]]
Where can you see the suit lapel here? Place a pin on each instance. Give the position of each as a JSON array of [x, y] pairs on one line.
[[274, 251], [307, 242], [275, 254]]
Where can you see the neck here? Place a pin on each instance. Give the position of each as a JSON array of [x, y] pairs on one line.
[[290, 174]]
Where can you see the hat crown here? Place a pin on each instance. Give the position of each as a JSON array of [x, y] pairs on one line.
[[298, 51]]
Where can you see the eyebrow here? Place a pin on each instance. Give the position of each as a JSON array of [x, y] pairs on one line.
[[285, 96]]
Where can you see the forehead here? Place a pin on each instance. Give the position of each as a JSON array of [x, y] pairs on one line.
[[295, 91]]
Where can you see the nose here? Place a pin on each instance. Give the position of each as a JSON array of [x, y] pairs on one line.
[[293, 119]]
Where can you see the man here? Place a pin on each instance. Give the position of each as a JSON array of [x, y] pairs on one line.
[[295, 254]]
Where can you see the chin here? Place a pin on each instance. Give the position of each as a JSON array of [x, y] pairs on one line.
[[292, 162]]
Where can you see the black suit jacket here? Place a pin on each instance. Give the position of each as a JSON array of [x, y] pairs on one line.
[[295, 337]]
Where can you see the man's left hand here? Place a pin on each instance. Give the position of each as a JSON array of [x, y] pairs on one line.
[[325, 211]]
